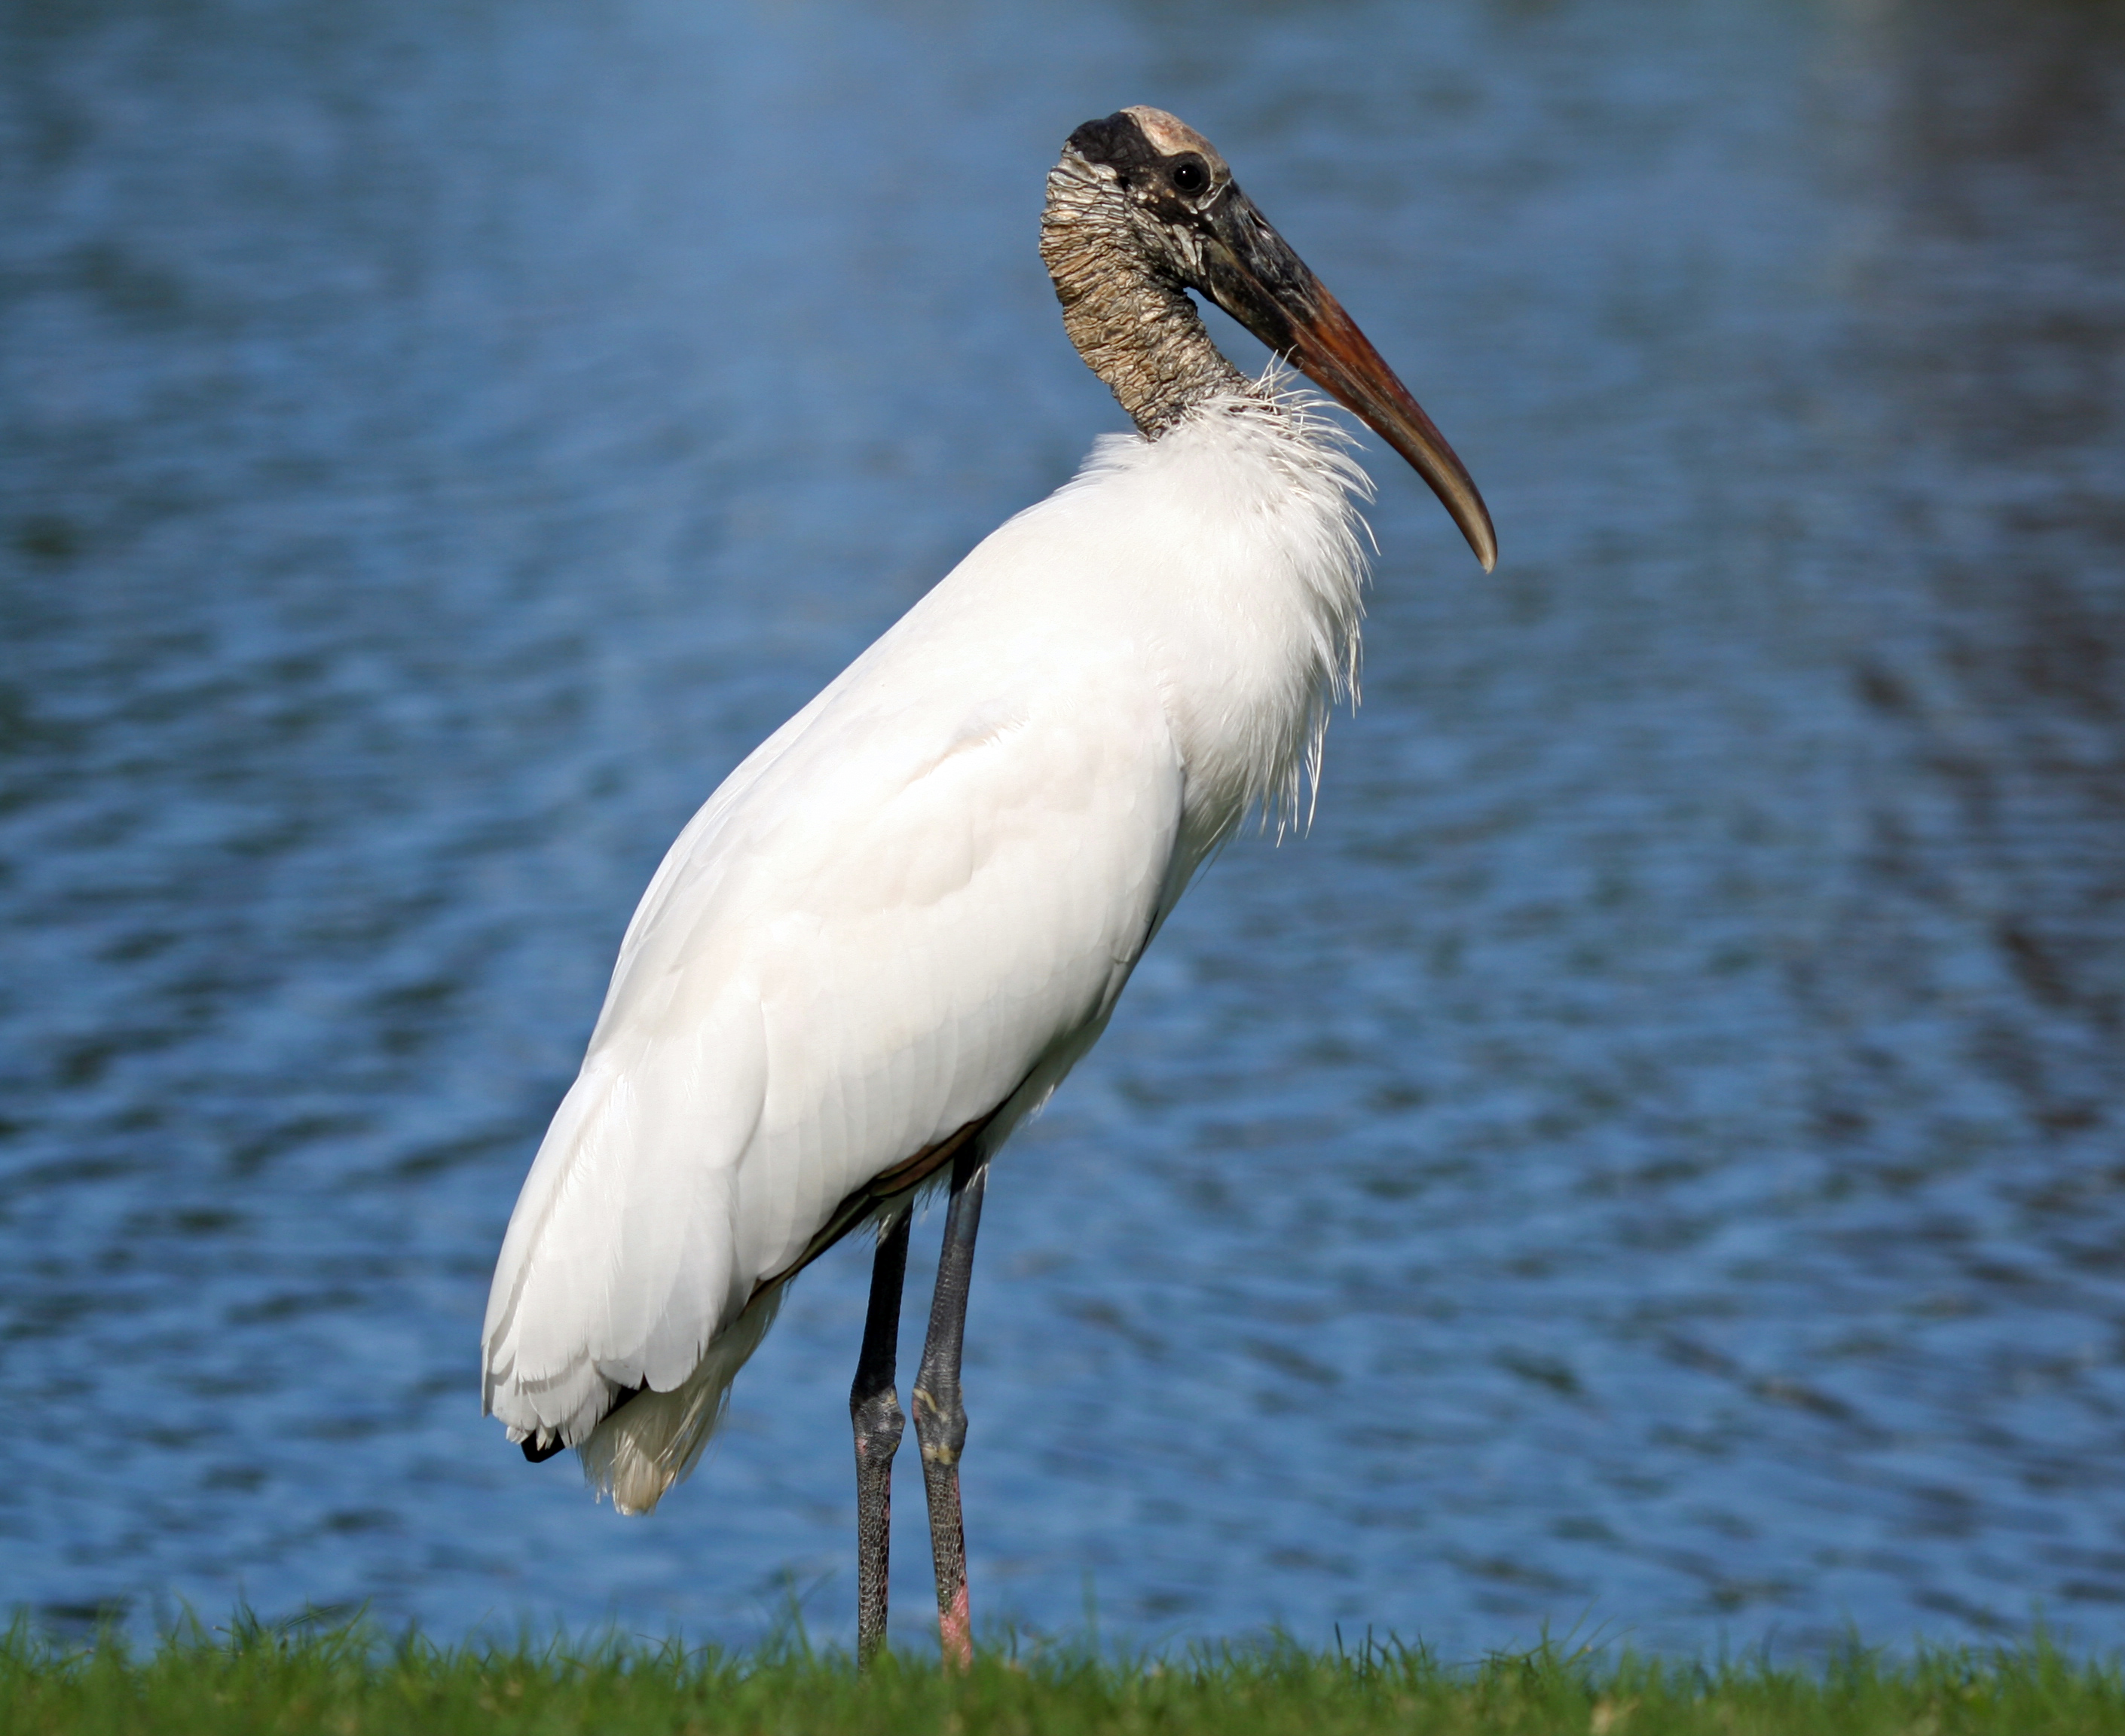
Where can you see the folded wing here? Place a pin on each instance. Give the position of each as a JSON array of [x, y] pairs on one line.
[[902, 914]]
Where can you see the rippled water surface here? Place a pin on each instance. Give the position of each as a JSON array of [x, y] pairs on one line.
[[1650, 1158]]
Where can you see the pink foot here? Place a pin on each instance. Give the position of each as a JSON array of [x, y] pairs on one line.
[[955, 1633]]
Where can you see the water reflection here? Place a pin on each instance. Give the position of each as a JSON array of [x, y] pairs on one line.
[[1650, 1155]]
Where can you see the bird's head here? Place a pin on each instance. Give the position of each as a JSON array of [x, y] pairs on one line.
[[1141, 190]]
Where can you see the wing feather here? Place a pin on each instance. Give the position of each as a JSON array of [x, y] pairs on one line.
[[904, 915]]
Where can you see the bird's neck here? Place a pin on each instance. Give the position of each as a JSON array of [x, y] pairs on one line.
[[1136, 329]]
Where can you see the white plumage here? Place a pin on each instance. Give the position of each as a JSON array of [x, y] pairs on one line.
[[914, 905]]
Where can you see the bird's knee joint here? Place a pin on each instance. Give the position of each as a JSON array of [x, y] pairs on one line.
[[879, 1423], [940, 1425]]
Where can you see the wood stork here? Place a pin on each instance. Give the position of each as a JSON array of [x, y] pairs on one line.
[[892, 930]]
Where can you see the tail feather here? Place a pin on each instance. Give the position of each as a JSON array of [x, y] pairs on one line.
[[655, 1439]]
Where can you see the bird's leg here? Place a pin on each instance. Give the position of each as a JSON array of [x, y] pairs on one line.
[[940, 1420], [874, 1409]]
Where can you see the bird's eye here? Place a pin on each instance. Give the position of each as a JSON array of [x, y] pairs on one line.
[[1191, 175]]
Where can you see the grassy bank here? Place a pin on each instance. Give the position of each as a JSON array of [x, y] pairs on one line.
[[348, 1681]]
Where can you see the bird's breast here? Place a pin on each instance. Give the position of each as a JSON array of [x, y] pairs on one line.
[[1221, 565]]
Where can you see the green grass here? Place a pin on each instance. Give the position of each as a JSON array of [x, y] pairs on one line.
[[349, 1680]]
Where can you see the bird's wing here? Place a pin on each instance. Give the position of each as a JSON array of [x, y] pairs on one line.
[[899, 915]]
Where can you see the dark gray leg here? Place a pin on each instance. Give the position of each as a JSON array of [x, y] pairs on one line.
[[874, 1409], [940, 1420]]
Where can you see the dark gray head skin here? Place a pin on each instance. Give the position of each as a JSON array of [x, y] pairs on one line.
[[1141, 209]]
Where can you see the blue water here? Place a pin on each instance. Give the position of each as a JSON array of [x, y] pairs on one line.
[[1650, 1160]]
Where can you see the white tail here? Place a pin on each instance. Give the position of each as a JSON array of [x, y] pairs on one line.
[[655, 1440]]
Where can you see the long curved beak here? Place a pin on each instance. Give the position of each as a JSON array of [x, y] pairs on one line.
[[1250, 271]]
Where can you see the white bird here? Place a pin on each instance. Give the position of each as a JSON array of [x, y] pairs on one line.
[[900, 921]]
